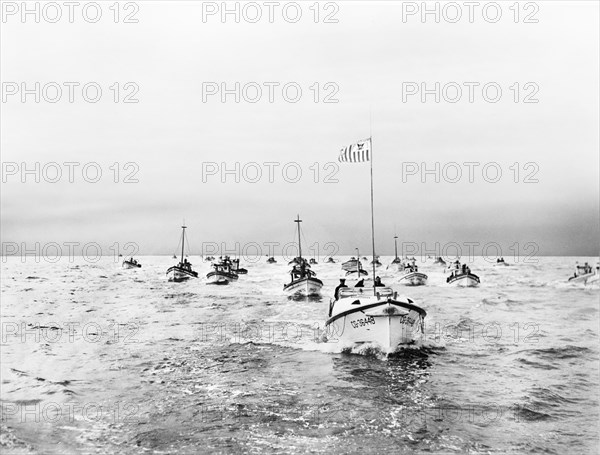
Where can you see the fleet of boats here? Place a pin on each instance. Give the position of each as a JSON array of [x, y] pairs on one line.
[[364, 311]]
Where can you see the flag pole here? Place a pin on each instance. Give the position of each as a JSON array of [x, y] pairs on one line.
[[372, 212]]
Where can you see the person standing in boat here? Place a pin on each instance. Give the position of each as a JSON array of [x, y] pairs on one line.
[[342, 284], [378, 282]]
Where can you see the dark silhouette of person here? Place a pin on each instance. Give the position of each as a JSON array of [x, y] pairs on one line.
[[360, 284], [378, 282], [339, 286]]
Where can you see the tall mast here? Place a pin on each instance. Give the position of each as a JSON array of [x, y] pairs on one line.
[[182, 241], [396, 246], [372, 217], [357, 262], [298, 220]]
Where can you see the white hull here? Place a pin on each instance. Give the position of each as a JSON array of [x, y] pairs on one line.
[[304, 287], [468, 281], [129, 265], [413, 279], [213, 277], [585, 278], [593, 280], [383, 322], [178, 274]]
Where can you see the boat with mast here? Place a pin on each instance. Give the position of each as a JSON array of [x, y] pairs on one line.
[[304, 281], [354, 268], [396, 260], [377, 316], [182, 271]]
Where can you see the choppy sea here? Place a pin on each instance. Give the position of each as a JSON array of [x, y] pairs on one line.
[[97, 359]]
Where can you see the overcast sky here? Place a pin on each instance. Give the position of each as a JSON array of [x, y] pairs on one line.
[[365, 57]]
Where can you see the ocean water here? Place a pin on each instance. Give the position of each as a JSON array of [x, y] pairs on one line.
[[97, 359]]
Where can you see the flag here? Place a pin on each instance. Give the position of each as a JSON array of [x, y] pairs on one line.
[[356, 153]]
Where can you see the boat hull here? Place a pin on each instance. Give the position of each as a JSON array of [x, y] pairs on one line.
[[129, 265], [468, 280], [304, 286], [413, 279], [179, 274], [214, 276], [385, 324]]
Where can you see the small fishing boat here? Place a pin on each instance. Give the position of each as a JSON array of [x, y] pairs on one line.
[[411, 275], [304, 282], [330, 260], [209, 258], [271, 260], [313, 261], [350, 264], [182, 271], [583, 273], [462, 275], [131, 264], [223, 271], [354, 269], [376, 262], [372, 316], [501, 262]]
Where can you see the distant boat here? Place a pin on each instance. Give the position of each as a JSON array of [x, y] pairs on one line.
[[182, 271], [410, 274], [396, 260], [131, 264], [462, 276], [209, 258], [350, 264], [500, 261], [313, 261], [330, 260], [304, 281], [223, 271], [376, 262], [583, 273], [354, 268], [372, 316], [271, 260]]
